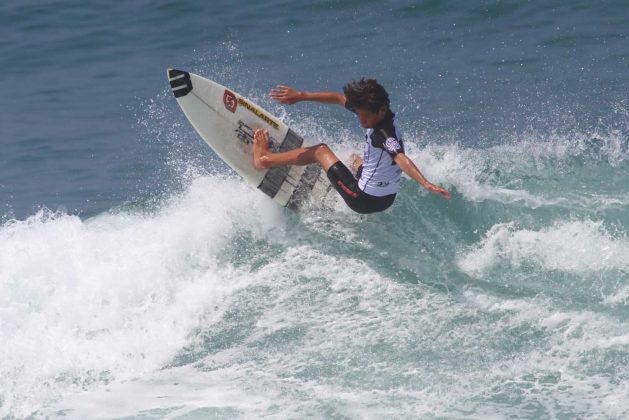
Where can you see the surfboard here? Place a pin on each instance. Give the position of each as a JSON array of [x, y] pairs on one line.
[[226, 121]]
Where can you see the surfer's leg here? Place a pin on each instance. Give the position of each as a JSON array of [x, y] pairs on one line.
[[263, 158]]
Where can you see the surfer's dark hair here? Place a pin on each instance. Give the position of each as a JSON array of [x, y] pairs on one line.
[[365, 94]]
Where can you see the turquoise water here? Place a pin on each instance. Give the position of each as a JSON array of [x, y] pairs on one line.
[[141, 278]]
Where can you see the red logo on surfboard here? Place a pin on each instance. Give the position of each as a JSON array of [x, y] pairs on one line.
[[229, 99]]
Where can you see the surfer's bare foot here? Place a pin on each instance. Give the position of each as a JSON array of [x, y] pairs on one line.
[[260, 148], [355, 162]]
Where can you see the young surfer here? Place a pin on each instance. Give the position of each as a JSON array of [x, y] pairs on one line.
[[378, 172]]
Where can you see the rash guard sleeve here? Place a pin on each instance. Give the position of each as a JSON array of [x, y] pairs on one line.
[[387, 141]]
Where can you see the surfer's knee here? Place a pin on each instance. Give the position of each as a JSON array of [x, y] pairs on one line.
[[325, 156], [322, 149]]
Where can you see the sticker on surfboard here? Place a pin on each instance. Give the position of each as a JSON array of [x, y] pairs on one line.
[[230, 101]]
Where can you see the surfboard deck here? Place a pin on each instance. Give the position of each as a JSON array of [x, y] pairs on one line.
[[226, 121]]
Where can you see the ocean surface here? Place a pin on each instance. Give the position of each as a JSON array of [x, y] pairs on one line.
[[141, 278]]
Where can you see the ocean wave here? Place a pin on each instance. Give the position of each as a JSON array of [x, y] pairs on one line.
[[579, 247], [529, 173], [85, 302]]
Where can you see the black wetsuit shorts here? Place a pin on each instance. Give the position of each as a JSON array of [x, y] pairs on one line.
[[347, 185]]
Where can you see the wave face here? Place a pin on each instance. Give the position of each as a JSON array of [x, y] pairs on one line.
[[141, 278], [510, 300]]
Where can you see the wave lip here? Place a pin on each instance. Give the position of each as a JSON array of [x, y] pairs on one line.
[[576, 247]]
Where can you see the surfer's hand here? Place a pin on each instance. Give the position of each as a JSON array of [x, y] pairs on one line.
[[439, 191], [285, 94]]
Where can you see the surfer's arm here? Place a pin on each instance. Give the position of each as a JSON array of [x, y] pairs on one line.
[[287, 95], [408, 167]]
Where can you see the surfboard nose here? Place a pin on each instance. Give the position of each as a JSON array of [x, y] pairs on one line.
[[180, 82]]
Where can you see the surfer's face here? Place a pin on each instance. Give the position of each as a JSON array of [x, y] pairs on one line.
[[368, 118]]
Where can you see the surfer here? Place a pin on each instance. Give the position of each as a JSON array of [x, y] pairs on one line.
[[378, 172]]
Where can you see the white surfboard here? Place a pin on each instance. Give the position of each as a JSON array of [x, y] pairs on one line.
[[227, 121]]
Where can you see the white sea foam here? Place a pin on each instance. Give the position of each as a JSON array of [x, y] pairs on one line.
[[621, 297], [115, 296], [298, 272], [572, 247], [372, 347], [495, 174], [113, 299], [563, 369]]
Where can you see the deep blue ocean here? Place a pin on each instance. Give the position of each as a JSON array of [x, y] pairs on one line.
[[141, 278]]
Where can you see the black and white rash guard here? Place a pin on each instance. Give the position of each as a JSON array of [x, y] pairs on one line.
[[380, 175]]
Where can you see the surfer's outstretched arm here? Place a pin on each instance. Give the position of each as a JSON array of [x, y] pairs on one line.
[[408, 167], [288, 95]]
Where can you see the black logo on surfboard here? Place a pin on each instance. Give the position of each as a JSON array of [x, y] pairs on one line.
[[180, 82]]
